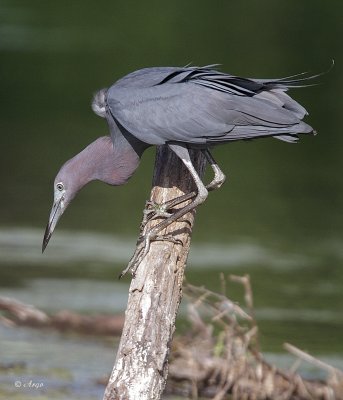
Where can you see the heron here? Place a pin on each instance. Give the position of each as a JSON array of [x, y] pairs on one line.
[[184, 108]]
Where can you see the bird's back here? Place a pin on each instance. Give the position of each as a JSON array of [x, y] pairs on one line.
[[201, 106], [145, 77]]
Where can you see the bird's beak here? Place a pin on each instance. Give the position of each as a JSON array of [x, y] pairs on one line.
[[55, 214]]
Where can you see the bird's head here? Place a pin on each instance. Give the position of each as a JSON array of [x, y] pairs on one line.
[[98, 161], [65, 189]]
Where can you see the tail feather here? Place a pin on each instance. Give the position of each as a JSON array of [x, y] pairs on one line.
[[287, 134], [294, 81], [279, 98]]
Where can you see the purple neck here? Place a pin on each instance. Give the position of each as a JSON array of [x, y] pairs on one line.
[[101, 161]]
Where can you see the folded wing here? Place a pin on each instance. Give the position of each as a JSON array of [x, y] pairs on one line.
[[200, 106]]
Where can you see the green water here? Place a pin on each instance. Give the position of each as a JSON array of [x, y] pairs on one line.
[[278, 217]]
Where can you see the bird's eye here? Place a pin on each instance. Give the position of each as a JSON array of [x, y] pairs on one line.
[[60, 187]]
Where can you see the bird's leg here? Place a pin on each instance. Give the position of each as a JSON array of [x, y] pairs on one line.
[[219, 176], [216, 183], [143, 243], [161, 210]]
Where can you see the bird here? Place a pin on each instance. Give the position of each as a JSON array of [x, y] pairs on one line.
[[185, 108]]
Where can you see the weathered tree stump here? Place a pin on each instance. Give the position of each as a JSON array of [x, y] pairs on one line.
[[141, 366]]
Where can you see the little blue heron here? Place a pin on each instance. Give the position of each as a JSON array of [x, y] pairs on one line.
[[185, 108]]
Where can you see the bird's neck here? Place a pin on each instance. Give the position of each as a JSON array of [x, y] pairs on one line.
[[120, 163], [102, 161]]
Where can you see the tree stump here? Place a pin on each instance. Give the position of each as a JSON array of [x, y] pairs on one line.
[[141, 366]]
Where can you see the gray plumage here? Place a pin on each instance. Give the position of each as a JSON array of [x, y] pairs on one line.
[[200, 106], [187, 107]]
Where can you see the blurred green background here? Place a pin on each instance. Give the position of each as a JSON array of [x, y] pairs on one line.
[[278, 217]]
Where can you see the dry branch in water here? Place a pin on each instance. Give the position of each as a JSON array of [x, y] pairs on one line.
[[21, 314], [219, 357]]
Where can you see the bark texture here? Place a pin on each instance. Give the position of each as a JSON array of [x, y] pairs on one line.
[[141, 367]]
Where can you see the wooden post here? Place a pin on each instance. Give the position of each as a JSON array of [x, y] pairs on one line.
[[141, 367]]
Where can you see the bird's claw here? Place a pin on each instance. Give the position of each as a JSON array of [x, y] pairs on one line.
[[155, 210], [143, 247], [152, 211]]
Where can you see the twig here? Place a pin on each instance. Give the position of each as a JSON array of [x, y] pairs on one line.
[[225, 360], [312, 360], [21, 314]]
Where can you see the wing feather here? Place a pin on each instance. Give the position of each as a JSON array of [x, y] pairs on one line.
[[199, 106]]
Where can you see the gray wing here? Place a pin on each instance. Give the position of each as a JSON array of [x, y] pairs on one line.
[[199, 106]]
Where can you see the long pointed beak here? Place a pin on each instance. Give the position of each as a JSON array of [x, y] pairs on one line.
[[55, 215]]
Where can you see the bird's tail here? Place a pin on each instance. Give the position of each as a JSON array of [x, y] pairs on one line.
[[303, 79]]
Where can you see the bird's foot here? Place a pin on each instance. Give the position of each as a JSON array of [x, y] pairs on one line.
[[142, 249], [152, 211], [155, 210], [136, 259]]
